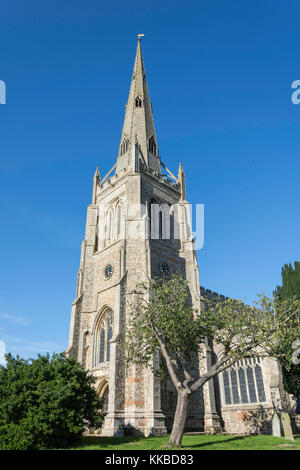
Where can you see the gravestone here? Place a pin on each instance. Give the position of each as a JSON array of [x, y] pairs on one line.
[[286, 424], [276, 427]]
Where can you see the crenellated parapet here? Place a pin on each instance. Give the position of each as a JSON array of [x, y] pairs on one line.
[[209, 294]]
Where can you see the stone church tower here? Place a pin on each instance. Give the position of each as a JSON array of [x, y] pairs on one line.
[[116, 255], [124, 246]]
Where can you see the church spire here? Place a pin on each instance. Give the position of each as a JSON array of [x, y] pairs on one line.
[[138, 135]]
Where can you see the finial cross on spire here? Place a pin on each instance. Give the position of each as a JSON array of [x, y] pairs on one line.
[[140, 36]]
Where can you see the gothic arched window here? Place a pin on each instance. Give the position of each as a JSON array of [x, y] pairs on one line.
[[152, 145], [159, 220], [110, 224], [102, 337], [97, 229], [243, 382], [124, 146], [153, 221], [120, 220], [138, 102], [160, 224], [172, 223], [164, 222]]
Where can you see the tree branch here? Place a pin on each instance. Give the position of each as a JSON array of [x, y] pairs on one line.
[[177, 383]]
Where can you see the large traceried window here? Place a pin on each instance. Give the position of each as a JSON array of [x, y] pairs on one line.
[[243, 382], [115, 223], [102, 337]]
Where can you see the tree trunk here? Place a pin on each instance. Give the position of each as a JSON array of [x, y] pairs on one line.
[[179, 419]]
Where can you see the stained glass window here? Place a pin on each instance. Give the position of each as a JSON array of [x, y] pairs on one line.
[[260, 383], [234, 386], [103, 335], [243, 383], [227, 393]]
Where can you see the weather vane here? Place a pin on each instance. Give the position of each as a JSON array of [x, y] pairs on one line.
[[140, 36]]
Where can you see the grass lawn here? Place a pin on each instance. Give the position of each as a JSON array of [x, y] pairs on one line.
[[190, 442]]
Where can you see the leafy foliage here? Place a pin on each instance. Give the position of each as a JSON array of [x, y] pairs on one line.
[[290, 289], [45, 402], [161, 304], [161, 312], [162, 319], [290, 282]]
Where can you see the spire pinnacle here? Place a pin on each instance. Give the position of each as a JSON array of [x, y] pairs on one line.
[[181, 180], [96, 183], [97, 173], [138, 127]]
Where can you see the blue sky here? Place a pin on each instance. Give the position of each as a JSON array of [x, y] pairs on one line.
[[220, 75]]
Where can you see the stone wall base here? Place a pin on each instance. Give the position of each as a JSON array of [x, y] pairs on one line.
[[139, 424], [248, 421], [212, 423]]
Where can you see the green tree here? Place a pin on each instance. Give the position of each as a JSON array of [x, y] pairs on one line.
[[162, 320], [290, 289], [45, 402], [290, 282]]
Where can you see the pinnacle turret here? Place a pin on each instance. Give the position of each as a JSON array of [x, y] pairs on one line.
[[181, 180], [96, 184]]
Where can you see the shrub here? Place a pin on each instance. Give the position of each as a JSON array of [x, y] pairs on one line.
[[45, 402]]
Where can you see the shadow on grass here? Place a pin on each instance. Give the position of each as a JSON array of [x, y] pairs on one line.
[[105, 441], [222, 441], [136, 443]]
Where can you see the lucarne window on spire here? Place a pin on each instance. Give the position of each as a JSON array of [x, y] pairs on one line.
[[152, 145], [138, 102], [124, 146]]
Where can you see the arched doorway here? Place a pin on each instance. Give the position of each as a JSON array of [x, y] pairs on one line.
[[103, 392], [105, 400]]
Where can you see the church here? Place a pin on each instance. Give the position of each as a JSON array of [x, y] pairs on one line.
[[115, 258]]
